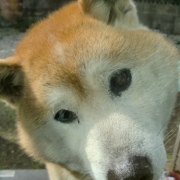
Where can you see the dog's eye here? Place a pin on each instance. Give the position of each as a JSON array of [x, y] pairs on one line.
[[65, 116], [120, 81]]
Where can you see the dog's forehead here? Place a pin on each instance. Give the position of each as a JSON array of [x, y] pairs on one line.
[[71, 57], [97, 52], [84, 56]]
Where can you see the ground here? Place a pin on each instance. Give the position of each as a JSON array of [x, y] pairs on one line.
[[11, 156]]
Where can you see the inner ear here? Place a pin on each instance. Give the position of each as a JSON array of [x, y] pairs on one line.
[[117, 13], [11, 81]]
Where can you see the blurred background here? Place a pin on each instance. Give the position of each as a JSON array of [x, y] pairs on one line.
[[16, 16], [160, 14]]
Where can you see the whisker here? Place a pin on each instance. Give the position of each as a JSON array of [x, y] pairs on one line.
[[168, 121], [176, 105], [170, 139], [162, 127], [169, 147], [170, 133], [84, 177]]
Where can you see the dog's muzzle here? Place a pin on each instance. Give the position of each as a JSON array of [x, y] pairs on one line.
[[133, 168]]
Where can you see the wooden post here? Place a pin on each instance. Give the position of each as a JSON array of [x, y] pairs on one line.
[[175, 163]]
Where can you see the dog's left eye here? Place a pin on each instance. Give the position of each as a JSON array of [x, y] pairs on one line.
[[120, 81], [65, 116]]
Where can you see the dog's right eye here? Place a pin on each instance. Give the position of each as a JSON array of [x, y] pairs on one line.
[[65, 116]]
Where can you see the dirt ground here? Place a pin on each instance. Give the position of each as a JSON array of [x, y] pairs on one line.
[[11, 156]]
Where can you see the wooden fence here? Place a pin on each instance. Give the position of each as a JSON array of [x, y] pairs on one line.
[[164, 17]]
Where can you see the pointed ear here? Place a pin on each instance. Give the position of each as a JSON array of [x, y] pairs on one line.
[[118, 13], [11, 81]]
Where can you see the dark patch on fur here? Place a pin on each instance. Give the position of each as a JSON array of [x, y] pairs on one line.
[[9, 89], [112, 16], [7, 86]]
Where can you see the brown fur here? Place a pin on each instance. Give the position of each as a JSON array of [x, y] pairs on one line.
[[56, 53]]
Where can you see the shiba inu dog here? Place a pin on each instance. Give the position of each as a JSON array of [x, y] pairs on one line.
[[94, 90]]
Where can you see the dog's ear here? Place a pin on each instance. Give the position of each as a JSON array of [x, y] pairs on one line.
[[11, 80], [118, 13]]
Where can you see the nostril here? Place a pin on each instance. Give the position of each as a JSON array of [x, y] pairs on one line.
[[142, 167], [143, 178], [146, 178], [112, 175]]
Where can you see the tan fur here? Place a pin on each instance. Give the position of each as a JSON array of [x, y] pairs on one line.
[[60, 52]]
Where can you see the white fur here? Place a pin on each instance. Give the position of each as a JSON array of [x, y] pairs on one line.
[[109, 128]]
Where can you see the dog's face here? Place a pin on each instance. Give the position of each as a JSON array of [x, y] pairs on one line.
[[92, 98]]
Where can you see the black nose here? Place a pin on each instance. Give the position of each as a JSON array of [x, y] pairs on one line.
[[134, 168]]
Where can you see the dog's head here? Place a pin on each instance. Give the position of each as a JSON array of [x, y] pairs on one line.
[[93, 97]]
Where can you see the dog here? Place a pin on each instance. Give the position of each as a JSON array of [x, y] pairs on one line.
[[94, 90]]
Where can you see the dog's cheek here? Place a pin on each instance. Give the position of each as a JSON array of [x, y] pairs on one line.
[[53, 142], [155, 150]]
